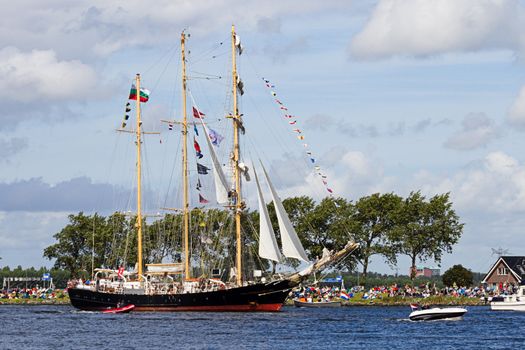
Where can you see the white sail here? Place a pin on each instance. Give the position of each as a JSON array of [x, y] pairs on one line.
[[292, 247], [268, 248], [221, 185]]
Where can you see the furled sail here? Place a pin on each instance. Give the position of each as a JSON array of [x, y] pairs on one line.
[[268, 248], [221, 185], [292, 247]]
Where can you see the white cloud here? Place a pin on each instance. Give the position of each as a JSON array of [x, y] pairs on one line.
[[477, 130], [39, 76], [86, 27], [496, 184], [516, 115], [422, 27], [350, 174]]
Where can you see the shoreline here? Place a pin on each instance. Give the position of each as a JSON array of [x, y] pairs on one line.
[[395, 301]]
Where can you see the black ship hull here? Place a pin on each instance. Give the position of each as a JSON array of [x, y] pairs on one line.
[[257, 297]]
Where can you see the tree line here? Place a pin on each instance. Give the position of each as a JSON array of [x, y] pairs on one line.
[[385, 225]]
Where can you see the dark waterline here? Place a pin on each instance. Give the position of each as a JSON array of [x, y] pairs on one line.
[[62, 327]]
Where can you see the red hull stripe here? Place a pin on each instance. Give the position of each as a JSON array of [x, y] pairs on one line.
[[218, 308]]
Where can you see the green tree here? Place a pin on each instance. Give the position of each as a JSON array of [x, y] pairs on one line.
[[373, 220], [426, 229], [459, 275], [71, 252], [329, 225], [93, 241]]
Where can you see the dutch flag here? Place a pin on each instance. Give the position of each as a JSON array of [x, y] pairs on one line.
[[344, 296], [414, 307]]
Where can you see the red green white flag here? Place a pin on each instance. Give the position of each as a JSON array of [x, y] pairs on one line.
[[144, 94]]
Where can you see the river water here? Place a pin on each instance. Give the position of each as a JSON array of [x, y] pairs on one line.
[[63, 327]]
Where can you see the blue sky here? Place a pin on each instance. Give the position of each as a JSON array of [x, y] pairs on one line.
[[391, 95]]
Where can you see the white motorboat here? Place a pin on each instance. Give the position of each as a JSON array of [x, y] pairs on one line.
[[436, 313], [513, 302]]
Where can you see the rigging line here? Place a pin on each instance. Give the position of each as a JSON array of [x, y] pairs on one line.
[[110, 169], [205, 74], [205, 54], [170, 181], [163, 71], [210, 58], [168, 51], [306, 160]]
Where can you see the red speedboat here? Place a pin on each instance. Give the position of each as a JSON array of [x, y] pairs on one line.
[[120, 310]]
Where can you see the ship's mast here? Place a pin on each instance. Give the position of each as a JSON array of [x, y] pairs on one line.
[[236, 157], [185, 206], [139, 177]]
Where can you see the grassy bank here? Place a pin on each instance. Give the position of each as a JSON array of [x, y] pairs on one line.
[[385, 300], [35, 301]]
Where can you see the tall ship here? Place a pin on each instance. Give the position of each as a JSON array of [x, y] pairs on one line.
[[171, 286]]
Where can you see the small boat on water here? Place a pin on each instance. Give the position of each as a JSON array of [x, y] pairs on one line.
[[332, 303], [436, 313], [513, 302], [120, 310]]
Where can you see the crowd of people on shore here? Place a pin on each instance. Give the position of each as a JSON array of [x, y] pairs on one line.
[[30, 293], [328, 293]]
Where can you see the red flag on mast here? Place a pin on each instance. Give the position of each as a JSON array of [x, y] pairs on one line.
[[197, 113]]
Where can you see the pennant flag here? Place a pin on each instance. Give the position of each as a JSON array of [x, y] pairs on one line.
[[305, 145], [197, 113], [301, 137], [279, 102], [198, 185], [170, 126], [312, 160], [196, 146], [238, 44], [317, 168], [330, 190], [297, 131], [284, 108], [201, 169], [309, 153], [273, 93], [292, 122], [203, 200], [123, 125], [240, 87], [215, 137], [144, 94], [126, 117], [195, 129], [128, 108], [324, 182]]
